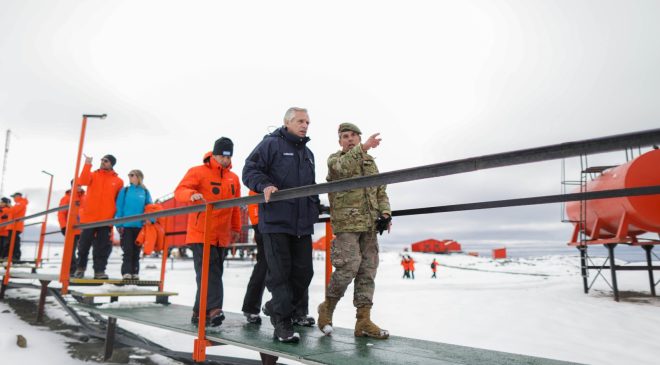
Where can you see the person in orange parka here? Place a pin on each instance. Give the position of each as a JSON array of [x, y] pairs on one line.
[[411, 267], [152, 234], [210, 182], [62, 216], [103, 185], [5, 216], [406, 268], [18, 211], [434, 268]]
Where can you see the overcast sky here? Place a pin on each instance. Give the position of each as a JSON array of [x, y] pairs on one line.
[[440, 80]]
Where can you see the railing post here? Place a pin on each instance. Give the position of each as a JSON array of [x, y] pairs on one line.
[[199, 354], [42, 236], [163, 264], [72, 214], [328, 259]]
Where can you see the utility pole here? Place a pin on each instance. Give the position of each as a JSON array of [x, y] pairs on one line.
[[4, 163]]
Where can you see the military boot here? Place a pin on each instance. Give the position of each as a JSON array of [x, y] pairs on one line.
[[365, 328], [325, 314]]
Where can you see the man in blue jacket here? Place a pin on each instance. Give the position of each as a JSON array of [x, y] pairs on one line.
[[283, 161]]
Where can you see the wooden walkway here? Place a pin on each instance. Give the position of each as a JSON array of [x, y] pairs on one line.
[[314, 348]]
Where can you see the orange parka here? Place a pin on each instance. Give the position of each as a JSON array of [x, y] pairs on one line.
[[152, 235], [5, 212], [103, 187], [18, 211], [253, 211], [62, 214], [214, 182]]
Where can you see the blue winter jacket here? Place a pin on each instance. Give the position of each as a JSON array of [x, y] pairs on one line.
[[131, 201], [283, 160]]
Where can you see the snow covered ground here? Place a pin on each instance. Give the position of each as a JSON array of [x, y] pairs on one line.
[[531, 306]]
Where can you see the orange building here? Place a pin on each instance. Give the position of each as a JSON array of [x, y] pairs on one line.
[[436, 246]]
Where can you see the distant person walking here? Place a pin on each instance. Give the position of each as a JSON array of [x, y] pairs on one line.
[[357, 216], [211, 181], [406, 267], [103, 185], [434, 268], [18, 211], [411, 267], [62, 217], [131, 200]]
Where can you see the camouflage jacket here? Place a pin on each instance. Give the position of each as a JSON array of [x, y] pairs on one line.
[[355, 210]]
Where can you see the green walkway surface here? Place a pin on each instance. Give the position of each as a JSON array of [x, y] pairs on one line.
[[314, 348]]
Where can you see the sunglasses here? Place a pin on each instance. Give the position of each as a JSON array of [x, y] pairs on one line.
[[105, 160], [131, 175]]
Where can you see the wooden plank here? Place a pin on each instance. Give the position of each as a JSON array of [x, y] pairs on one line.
[[136, 293], [119, 282], [314, 348]]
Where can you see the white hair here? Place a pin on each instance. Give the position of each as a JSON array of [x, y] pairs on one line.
[[288, 116]]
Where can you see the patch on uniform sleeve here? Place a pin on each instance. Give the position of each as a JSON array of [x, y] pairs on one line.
[[287, 154]]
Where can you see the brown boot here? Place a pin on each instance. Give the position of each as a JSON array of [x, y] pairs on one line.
[[325, 314], [365, 328]]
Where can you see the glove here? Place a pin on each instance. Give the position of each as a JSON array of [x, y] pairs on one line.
[[324, 209], [382, 223]]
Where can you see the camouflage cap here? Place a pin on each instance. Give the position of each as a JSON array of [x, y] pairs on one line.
[[349, 127]]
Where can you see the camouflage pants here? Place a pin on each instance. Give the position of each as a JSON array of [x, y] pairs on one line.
[[354, 256]]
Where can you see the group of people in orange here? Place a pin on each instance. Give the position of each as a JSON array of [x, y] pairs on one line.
[[408, 264], [7, 213]]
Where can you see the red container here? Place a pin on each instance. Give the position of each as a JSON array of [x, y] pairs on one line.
[[637, 214], [499, 253]]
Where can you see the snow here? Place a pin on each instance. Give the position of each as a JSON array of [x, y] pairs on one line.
[[533, 306]]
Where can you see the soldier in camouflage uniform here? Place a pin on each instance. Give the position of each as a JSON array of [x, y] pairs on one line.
[[356, 216]]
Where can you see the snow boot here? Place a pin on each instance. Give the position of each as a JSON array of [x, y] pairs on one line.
[[326, 309], [365, 328]]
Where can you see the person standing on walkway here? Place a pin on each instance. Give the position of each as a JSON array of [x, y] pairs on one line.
[[131, 200], [103, 185], [281, 161], [255, 289], [5, 216], [356, 215], [18, 211], [209, 182], [62, 216]]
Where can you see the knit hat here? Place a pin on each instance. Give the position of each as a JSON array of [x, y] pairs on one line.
[[345, 127], [112, 159], [223, 147], [6, 200]]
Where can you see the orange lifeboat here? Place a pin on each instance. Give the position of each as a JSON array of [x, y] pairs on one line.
[[624, 216]]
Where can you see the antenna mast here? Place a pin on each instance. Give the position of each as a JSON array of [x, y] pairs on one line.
[[4, 163]]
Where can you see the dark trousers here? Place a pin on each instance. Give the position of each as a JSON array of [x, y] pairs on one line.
[[290, 271], [257, 283], [4, 247], [131, 259], [215, 293], [99, 240], [17, 246], [74, 258]]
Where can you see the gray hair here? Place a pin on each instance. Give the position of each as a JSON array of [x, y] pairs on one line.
[[288, 116]]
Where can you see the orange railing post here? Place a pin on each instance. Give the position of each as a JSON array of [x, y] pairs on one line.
[[42, 236], [328, 261], [201, 342], [163, 265], [10, 257], [73, 210]]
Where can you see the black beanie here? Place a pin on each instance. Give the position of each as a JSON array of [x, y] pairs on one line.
[[6, 200], [112, 159], [223, 147]]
